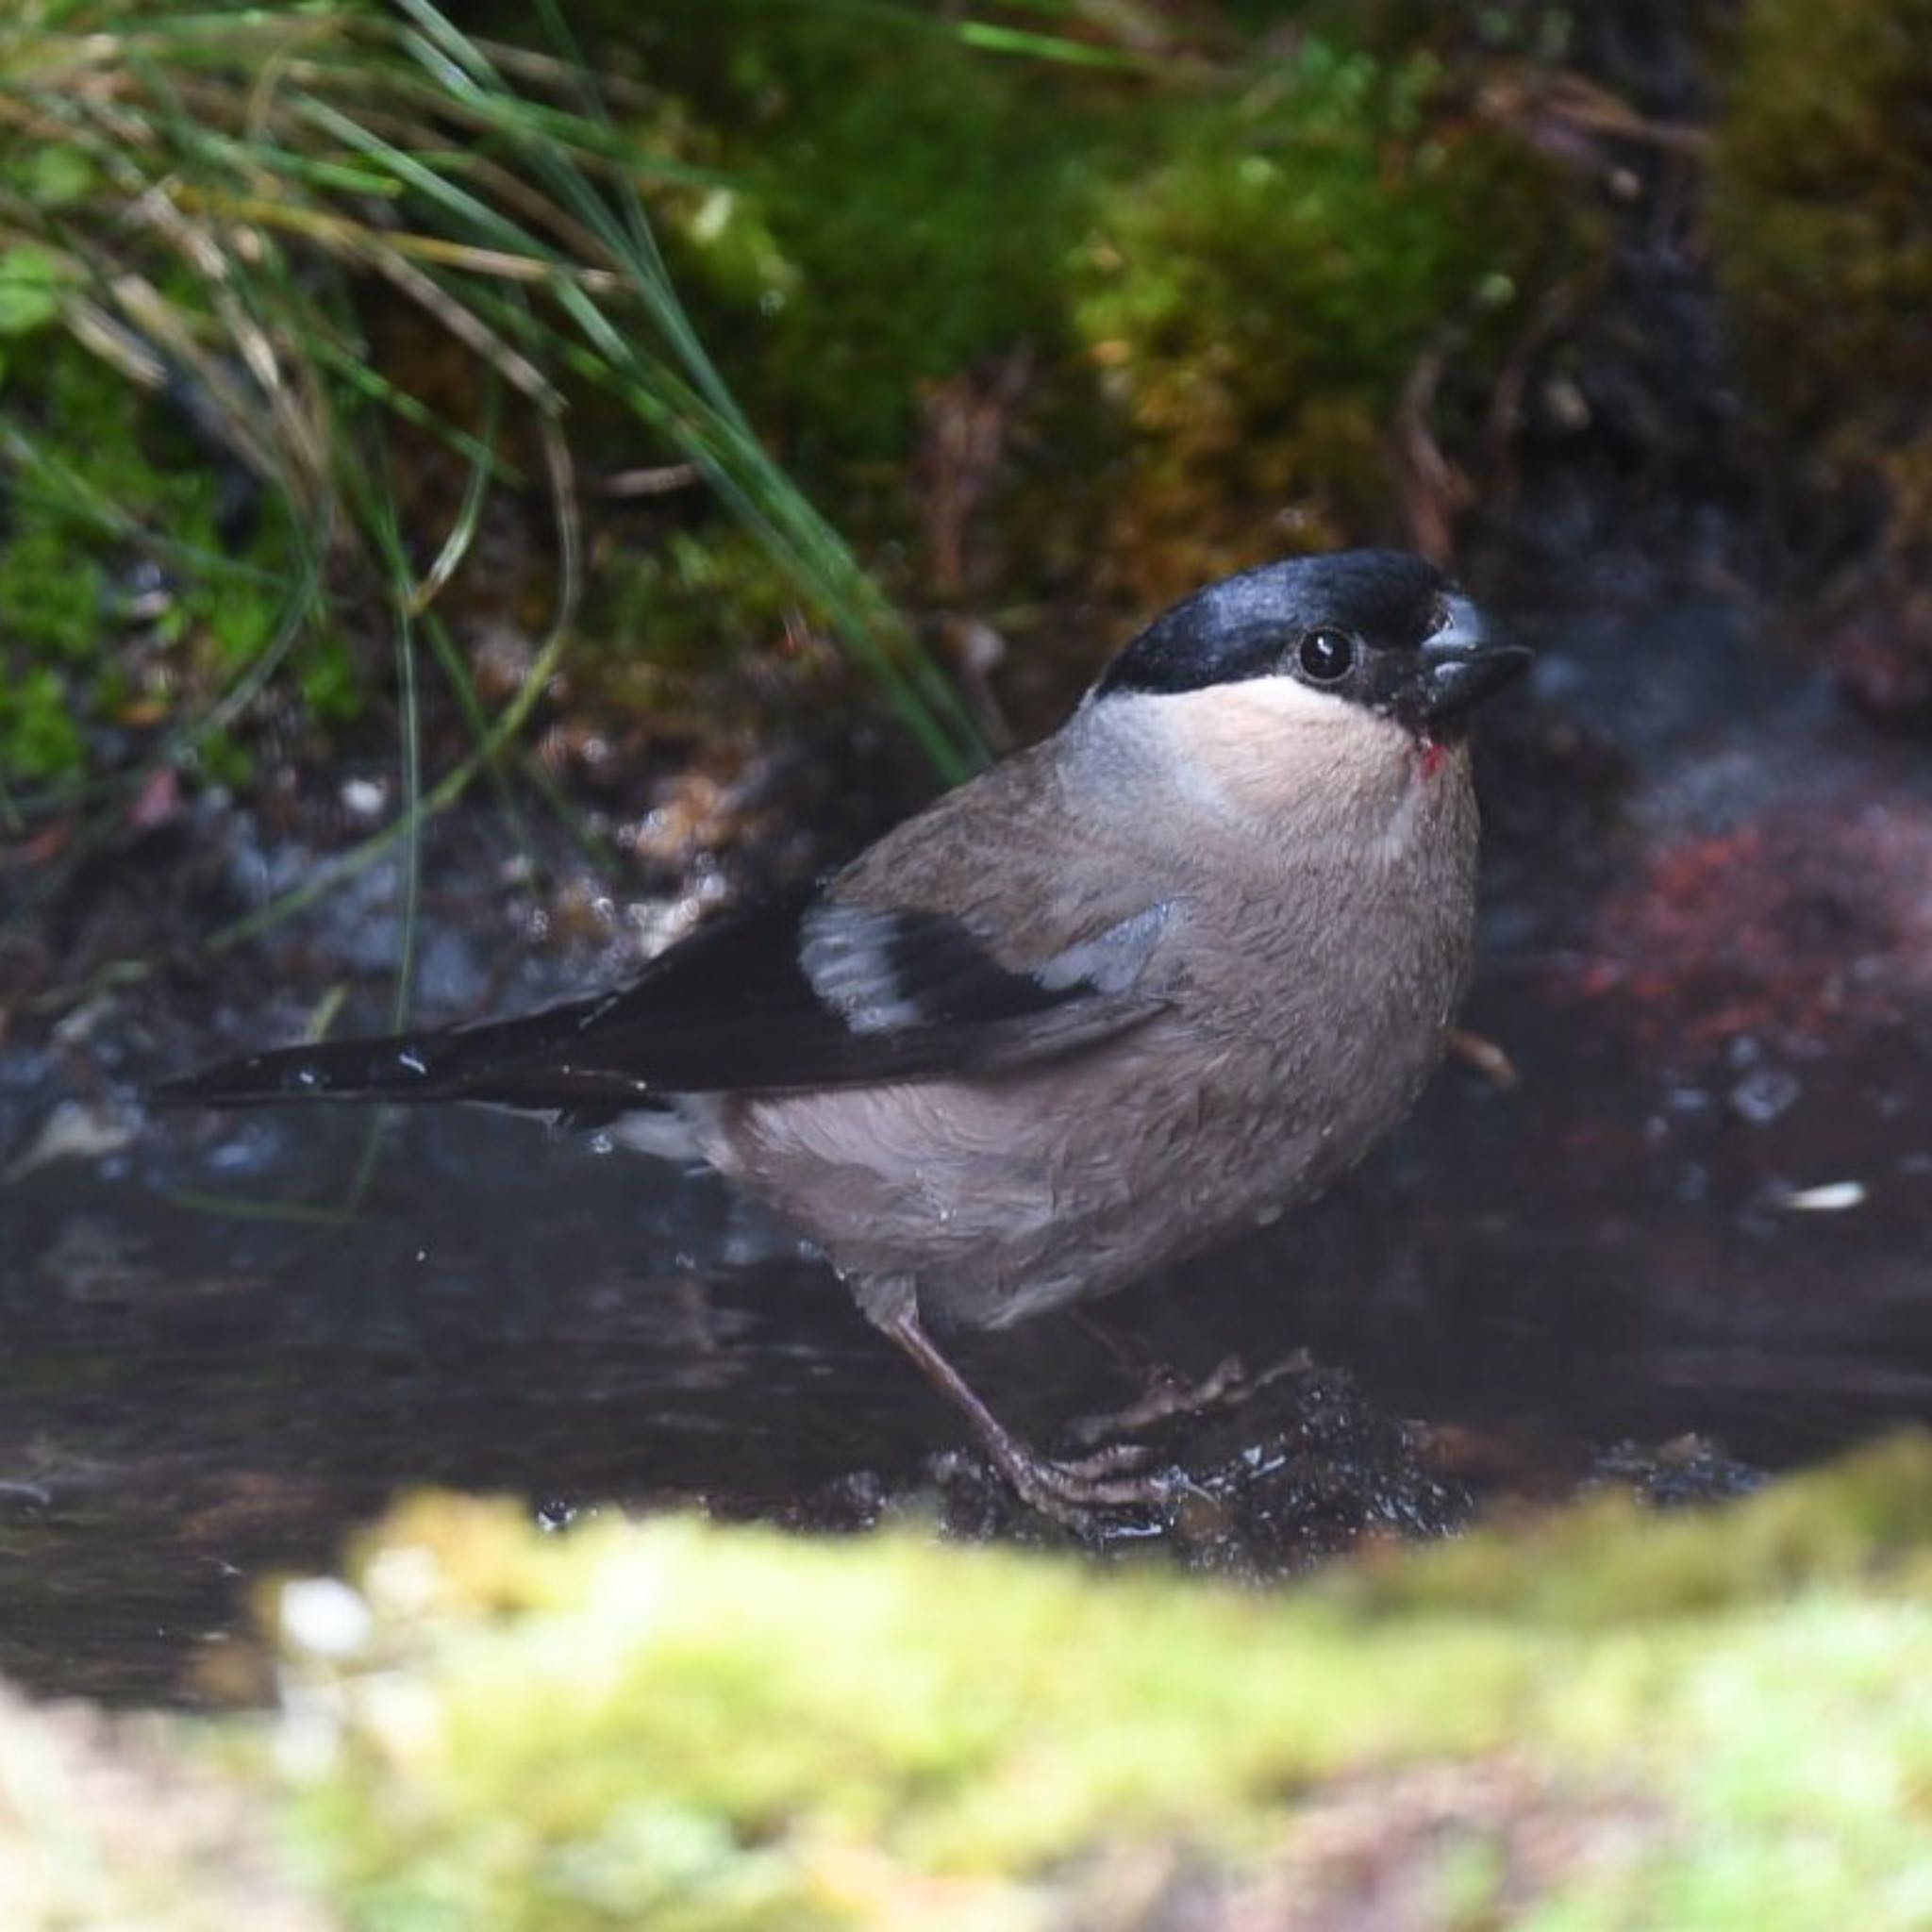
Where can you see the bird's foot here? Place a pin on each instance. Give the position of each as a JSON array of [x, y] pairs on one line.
[[1168, 1398], [1072, 1493], [1071, 1490]]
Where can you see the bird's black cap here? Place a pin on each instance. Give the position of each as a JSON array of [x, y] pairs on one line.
[[1241, 626], [1381, 628]]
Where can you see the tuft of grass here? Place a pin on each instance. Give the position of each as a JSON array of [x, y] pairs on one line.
[[202, 203]]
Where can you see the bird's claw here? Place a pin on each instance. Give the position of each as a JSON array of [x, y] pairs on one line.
[[1078, 1492], [1114, 1459], [1072, 1493]]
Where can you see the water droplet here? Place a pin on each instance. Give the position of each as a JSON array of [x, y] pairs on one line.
[[1834, 1197]]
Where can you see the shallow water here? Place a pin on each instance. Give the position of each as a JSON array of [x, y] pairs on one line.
[[1705, 1209]]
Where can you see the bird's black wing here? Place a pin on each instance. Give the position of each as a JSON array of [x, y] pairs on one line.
[[818, 992]]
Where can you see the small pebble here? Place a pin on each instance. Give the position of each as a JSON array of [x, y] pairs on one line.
[[364, 798], [1766, 1092]]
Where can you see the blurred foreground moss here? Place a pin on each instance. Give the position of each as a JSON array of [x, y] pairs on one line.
[[1610, 1720]]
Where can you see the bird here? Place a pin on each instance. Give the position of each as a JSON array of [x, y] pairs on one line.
[[1153, 980]]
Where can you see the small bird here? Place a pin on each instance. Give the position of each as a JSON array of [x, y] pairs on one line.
[[1156, 979]]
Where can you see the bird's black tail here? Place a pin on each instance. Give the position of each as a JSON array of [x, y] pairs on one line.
[[509, 1062]]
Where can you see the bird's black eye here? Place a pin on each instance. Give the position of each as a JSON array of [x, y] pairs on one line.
[[1326, 656]]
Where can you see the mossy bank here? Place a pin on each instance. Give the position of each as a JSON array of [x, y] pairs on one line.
[[1608, 1719]]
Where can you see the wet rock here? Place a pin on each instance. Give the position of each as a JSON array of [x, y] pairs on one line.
[[1298, 1469], [1686, 1471], [1766, 1092]]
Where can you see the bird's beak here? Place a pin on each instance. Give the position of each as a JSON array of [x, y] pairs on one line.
[[1464, 662]]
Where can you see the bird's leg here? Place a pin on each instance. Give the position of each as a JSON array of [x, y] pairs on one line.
[[1064, 1491]]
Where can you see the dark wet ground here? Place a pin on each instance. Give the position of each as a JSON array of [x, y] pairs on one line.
[[1692, 1242]]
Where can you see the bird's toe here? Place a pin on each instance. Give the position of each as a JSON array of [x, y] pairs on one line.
[[1168, 1398]]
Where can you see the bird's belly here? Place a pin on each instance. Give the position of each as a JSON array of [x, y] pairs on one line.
[[1002, 1199]]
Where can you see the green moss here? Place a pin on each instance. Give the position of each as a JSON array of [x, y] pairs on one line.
[[730, 1729], [1822, 179], [31, 281], [118, 466], [39, 739], [1822, 175], [688, 600], [1610, 1561], [326, 675], [1607, 1720], [1219, 276], [1224, 281], [1225, 285], [53, 601], [1261, 296], [902, 203]]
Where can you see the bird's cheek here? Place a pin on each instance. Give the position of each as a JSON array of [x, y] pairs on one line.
[[1431, 756]]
